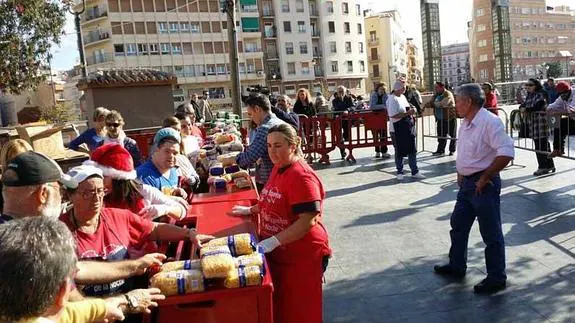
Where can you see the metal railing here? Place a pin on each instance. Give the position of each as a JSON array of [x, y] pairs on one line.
[[515, 92]]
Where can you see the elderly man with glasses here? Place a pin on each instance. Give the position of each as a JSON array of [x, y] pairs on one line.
[[283, 110]]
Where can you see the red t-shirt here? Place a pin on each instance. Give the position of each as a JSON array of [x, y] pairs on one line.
[[289, 192], [119, 233], [491, 102]]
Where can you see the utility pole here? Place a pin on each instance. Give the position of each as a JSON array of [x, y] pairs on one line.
[[79, 36], [230, 10]]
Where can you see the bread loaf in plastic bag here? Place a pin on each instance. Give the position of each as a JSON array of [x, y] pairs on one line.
[[254, 259], [178, 282], [239, 244], [216, 261], [182, 265], [244, 277]]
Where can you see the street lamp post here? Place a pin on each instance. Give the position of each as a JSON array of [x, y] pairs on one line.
[[79, 36]]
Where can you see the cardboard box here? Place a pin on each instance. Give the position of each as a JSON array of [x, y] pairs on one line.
[[46, 139]]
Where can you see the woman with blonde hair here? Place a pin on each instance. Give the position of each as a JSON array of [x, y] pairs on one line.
[[304, 104], [293, 236]]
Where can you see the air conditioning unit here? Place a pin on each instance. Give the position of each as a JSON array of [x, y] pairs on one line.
[[260, 73]]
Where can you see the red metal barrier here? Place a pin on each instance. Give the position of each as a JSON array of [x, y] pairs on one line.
[[362, 128], [143, 138], [318, 136]]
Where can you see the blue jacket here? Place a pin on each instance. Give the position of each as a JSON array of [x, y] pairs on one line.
[[373, 101], [551, 93], [88, 137]]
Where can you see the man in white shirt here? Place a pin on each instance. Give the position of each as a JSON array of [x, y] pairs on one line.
[[484, 150], [564, 104]]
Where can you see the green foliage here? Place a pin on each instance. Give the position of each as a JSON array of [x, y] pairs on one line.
[[555, 70], [61, 113], [28, 29]]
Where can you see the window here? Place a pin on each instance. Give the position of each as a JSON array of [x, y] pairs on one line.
[[480, 28], [483, 74], [480, 12], [482, 43], [174, 27], [358, 10], [372, 36], [332, 47], [359, 29], [163, 27], [331, 26], [348, 47], [525, 11], [287, 26], [303, 48], [344, 8], [376, 70], [329, 5], [482, 58], [299, 6], [305, 68], [153, 49], [350, 66], [291, 68], [221, 69], [143, 49], [289, 48], [165, 48], [334, 68], [346, 28], [285, 5], [360, 47], [301, 26], [177, 49], [119, 50], [185, 27], [195, 27], [362, 66]]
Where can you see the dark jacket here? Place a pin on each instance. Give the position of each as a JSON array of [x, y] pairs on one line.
[[308, 110], [340, 105], [288, 117], [551, 92]]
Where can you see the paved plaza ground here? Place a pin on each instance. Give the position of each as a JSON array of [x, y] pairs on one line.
[[387, 236]]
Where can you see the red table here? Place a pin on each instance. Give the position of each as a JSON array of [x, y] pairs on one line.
[[242, 305], [240, 195]]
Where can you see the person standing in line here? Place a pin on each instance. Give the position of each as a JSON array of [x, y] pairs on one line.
[[342, 106], [195, 106], [303, 104], [551, 89], [377, 102], [565, 104], [490, 98], [283, 110], [484, 150], [205, 109], [414, 97], [402, 129], [443, 105]]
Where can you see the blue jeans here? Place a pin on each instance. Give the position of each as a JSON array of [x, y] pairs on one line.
[[486, 208], [411, 159]]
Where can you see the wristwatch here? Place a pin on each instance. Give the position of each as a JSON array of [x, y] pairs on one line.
[[132, 302]]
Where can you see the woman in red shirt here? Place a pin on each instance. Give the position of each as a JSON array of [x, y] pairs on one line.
[[490, 98], [296, 242]]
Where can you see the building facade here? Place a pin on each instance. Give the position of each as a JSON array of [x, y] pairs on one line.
[[387, 52], [414, 64], [313, 44], [455, 64], [539, 35], [186, 38], [431, 39]]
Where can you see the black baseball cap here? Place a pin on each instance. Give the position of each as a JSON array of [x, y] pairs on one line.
[[32, 168]]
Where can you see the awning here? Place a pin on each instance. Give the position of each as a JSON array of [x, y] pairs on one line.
[[250, 24], [565, 53], [248, 2]]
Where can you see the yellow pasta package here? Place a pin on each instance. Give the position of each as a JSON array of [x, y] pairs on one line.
[[178, 282], [244, 277], [239, 244], [216, 261], [182, 265], [254, 259]]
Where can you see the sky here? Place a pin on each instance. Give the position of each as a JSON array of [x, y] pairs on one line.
[[453, 27]]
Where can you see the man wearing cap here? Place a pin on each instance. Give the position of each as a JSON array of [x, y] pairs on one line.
[[564, 104], [31, 187], [443, 105], [160, 171]]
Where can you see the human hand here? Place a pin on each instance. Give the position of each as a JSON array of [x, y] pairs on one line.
[[459, 180], [241, 210], [146, 298], [149, 212], [480, 185], [269, 244], [180, 192], [197, 239], [114, 308], [183, 202], [147, 261]]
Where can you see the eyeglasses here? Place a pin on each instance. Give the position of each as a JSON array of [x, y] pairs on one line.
[[100, 192], [113, 125]]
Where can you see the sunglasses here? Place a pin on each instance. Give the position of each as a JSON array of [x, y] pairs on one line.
[[113, 125]]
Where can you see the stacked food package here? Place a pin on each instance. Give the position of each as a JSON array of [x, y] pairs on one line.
[[217, 159], [231, 261]]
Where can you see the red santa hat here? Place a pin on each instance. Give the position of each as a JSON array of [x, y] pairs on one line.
[[114, 161]]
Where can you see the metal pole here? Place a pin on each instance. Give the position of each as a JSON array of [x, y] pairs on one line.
[[233, 57], [79, 37], [52, 81]]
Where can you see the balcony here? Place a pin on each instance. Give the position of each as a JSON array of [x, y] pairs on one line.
[[95, 14], [270, 34], [99, 59], [252, 75], [95, 36], [317, 53], [375, 75], [318, 72], [313, 13], [374, 58], [373, 42], [268, 10], [272, 55], [274, 76], [315, 33]]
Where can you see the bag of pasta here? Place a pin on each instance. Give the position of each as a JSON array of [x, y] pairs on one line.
[[216, 261], [182, 265], [244, 277], [178, 282], [239, 244], [254, 259]]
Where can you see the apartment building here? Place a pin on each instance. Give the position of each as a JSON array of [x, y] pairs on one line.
[[455, 64], [313, 44], [539, 35], [387, 52], [414, 64], [184, 37], [431, 41]]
